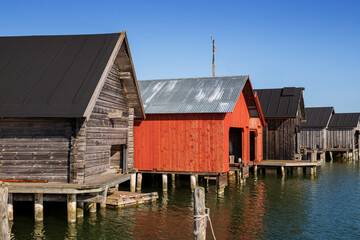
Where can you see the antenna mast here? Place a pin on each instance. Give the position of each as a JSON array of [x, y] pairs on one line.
[[213, 59]]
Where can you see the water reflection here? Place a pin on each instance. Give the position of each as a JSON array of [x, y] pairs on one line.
[[298, 206]]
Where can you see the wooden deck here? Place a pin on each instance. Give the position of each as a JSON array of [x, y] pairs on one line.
[[287, 163], [94, 185], [123, 199]]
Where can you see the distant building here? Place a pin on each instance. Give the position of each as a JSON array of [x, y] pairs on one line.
[[343, 133], [314, 130], [194, 125], [283, 109]]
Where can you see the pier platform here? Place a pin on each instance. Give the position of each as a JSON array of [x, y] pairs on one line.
[[287, 165]]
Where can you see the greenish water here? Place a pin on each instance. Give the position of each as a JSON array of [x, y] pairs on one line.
[[325, 206]]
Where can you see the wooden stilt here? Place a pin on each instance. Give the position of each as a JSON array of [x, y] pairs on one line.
[[255, 169], [92, 208], [132, 182], [331, 156], [10, 207], [282, 171], [192, 182], [138, 181], [39, 207], [103, 203], [80, 210], [4, 223], [71, 208], [173, 177], [200, 221], [311, 171], [116, 187], [164, 183]]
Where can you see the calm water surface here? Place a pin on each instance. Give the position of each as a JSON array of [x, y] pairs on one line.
[[325, 206]]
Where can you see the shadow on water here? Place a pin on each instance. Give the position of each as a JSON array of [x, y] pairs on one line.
[[324, 206]]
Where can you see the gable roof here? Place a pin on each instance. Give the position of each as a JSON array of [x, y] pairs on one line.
[[281, 102], [344, 120], [317, 117], [55, 76], [192, 95]]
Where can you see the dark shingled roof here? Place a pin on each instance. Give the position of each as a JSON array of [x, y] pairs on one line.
[[344, 120], [317, 117], [192, 95], [51, 76], [280, 102]]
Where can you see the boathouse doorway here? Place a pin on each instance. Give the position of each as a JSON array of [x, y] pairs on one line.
[[252, 145], [235, 143], [118, 158]]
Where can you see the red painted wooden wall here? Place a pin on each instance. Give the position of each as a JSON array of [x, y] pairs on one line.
[[189, 142]]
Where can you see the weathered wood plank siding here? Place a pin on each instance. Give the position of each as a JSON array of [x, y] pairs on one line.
[[101, 131], [342, 138], [279, 139], [35, 149], [313, 138]]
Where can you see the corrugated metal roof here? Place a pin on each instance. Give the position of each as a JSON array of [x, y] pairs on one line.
[[51, 76], [192, 95], [280, 102], [317, 117], [344, 120]]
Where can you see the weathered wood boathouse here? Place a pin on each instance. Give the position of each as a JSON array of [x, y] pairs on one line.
[[198, 126], [343, 134], [283, 109], [67, 105], [314, 130]]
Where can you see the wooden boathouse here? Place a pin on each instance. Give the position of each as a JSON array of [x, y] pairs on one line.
[[283, 109], [343, 134], [314, 131], [198, 126], [67, 106]]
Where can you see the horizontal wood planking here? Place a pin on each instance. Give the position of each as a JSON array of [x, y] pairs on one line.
[[35, 149], [102, 132]]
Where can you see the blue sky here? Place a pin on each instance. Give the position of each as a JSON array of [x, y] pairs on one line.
[[312, 44]]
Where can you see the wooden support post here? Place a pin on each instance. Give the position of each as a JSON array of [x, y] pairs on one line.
[[200, 219], [4, 228], [139, 181], [92, 208], [192, 182], [173, 177], [104, 194], [331, 156], [71, 208], [313, 156], [238, 175], [39, 207], [255, 169], [132, 182], [282, 171], [116, 187], [10, 207], [80, 210], [164, 183], [311, 171]]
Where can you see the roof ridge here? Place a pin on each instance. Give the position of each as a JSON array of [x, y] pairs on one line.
[[216, 77]]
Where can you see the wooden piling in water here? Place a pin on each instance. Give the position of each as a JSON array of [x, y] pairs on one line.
[[200, 219], [10, 207], [138, 181], [164, 183], [192, 182], [132, 182], [92, 207], [80, 210], [283, 171], [4, 228], [39, 207], [71, 208]]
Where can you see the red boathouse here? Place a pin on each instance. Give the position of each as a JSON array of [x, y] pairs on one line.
[[194, 125]]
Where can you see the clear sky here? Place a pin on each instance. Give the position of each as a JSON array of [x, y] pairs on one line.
[[312, 44]]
